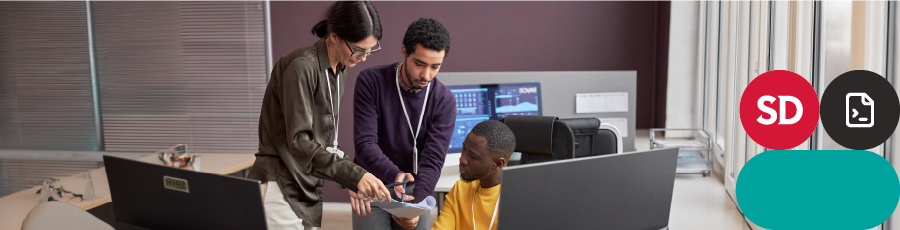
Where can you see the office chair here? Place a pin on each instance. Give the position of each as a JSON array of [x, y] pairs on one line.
[[55, 215], [540, 139], [594, 138]]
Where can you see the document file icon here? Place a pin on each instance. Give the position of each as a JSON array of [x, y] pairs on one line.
[[860, 110]]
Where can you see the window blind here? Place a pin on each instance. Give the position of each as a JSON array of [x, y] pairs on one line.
[[168, 72], [181, 73], [45, 84]]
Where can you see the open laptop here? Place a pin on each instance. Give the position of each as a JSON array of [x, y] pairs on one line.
[[151, 196], [629, 191]]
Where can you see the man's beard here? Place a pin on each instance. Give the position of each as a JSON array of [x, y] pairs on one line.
[[464, 179], [409, 79], [479, 176]]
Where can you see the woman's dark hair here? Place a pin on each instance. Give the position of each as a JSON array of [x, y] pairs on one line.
[[428, 32], [350, 20]]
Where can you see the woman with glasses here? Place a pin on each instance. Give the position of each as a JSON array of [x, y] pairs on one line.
[[298, 125]]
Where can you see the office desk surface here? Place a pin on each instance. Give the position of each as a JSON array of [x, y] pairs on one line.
[[14, 207]]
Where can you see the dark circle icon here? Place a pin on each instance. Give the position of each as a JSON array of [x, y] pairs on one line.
[[860, 109]]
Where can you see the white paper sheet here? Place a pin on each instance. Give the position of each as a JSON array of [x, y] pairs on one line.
[[407, 210], [621, 123], [601, 102]]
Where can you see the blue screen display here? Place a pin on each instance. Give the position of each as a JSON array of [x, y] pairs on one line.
[[477, 103]]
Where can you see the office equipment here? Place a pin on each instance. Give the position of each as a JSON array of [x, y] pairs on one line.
[[558, 90], [61, 216], [692, 148], [477, 103], [590, 140], [15, 207], [449, 174], [153, 196], [177, 157], [617, 191], [539, 139]]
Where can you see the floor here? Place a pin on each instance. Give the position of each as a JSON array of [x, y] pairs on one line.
[[698, 203]]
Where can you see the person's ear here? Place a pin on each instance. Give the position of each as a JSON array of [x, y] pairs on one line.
[[403, 51], [333, 37], [499, 163]]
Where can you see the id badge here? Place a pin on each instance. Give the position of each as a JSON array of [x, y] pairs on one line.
[[335, 150]]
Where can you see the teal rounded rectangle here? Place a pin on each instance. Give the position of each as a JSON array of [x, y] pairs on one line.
[[817, 189]]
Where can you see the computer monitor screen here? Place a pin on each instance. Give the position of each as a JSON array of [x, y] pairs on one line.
[[616, 191], [477, 103]]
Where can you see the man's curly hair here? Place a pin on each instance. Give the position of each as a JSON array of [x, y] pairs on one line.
[[500, 139], [428, 32]]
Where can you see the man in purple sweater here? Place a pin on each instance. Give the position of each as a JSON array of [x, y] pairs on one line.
[[403, 118]]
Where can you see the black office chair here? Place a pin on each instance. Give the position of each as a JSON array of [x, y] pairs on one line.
[[540, 139], [591, 138]]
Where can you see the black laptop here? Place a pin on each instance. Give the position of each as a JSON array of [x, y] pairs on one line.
[[151, 196]]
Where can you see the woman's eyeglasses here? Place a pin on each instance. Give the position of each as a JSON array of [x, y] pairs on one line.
[[359, 54]]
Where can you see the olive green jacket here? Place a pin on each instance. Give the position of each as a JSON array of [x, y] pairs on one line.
[[295, 127]]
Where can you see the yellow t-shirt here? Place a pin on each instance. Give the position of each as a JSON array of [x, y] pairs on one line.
[[457, 210]]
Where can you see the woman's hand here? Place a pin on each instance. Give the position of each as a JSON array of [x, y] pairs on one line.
[[358, 204], [371, 187]]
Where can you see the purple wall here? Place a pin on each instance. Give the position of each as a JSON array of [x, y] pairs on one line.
[[509, 36]]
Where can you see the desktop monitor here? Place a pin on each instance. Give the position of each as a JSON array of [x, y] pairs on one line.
[[152, 196], [631, 191], [477, 103]]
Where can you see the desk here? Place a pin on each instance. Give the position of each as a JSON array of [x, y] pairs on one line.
[[15, 207], [449, 176]]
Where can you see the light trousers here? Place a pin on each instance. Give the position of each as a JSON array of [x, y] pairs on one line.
[[279, 215]]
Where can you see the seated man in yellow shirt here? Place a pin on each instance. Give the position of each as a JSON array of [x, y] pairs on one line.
[[473, 202]]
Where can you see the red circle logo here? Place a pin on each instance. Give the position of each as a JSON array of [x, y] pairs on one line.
[[779, 109]]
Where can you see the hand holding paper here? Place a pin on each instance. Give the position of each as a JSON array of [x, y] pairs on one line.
[[407, 210], [406, 223]]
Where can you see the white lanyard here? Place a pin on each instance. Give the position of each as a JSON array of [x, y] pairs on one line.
[[419, 127], [473, 209], [328, 79]]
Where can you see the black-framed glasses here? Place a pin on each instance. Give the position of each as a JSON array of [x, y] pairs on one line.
[[359, 54]]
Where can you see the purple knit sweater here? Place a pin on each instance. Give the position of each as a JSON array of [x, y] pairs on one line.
[[381, 135]]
